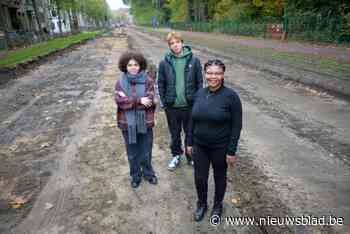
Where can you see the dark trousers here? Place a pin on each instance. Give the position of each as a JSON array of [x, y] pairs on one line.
[[178, 119], [140, 155], [203, 157]]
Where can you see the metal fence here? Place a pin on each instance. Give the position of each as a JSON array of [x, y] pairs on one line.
[[3, 41], [21, 38], [317, 28], [308, 28], [251, 28], [13, 39]]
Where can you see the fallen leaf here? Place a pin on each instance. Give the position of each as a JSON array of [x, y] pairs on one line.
[[15, 205], [48, 206], [13, 148], [17, 202], [44, 145], [235, 200]]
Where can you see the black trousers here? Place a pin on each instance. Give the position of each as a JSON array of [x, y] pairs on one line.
[[203, 157], [178, 119]]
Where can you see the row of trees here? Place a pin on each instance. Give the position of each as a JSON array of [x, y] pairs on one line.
[[38, 20], [96, 11], [209, 10]]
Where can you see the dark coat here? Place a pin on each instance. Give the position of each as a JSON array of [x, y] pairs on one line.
[[166, 80]]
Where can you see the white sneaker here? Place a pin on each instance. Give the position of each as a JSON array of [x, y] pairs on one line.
[[174, 162]]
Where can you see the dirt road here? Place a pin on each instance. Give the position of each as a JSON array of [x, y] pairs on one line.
[[297, 137], [63, 156], [318, 66]]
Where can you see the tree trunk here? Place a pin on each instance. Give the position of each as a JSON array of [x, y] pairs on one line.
[[75, 17], [59, 19], [41, 33], [75, 21], [70, 21]]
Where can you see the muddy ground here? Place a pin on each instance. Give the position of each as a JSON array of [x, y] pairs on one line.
[[304, 63], [63, 159], [293, 134]]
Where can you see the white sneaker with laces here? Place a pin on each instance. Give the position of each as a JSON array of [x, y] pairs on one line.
[[174, 162]]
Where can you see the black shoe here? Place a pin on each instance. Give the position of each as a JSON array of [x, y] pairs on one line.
[[189, 160], [217, 210], [135, 183], [190, 163], [152, 180], [199, 212]]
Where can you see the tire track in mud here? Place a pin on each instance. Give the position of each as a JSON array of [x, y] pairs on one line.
[[230, 208], [102, 201], [57, 191], [105, 202], [91, 192], [304, 131], [333, 82], [315, 131], [20, 112], [246, 196]]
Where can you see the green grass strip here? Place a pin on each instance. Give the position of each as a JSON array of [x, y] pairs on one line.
[[27, 54]]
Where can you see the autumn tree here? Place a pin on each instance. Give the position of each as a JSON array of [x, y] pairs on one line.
[[179, 10]]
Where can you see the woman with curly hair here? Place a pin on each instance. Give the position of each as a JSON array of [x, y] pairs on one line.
[[134, 94]]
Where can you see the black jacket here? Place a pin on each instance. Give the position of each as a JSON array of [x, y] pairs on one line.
[[166, 80]]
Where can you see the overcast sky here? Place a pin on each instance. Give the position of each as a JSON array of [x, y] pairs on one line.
[[116, 4]]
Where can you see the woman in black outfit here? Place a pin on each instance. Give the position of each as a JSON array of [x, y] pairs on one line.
[[214, 133]]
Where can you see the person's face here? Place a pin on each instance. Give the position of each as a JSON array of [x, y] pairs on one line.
[[175, 45], [133, 67], [214, 76]]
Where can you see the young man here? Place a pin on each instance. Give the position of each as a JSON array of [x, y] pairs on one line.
[[179, 78]]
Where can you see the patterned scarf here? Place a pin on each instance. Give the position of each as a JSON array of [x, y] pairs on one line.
[[136, 119]]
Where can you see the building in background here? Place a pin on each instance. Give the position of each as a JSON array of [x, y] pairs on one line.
[[122, 16], [24, 22], [19, 22]]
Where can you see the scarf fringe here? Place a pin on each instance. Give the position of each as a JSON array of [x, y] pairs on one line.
[[132, 134], [141, 121]]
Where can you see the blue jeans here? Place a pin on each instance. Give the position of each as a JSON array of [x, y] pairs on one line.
[[140, 155]]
